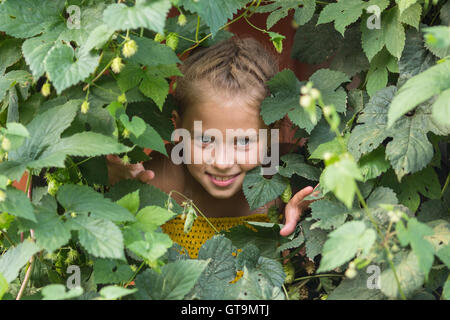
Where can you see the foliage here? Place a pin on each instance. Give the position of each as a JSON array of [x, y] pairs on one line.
[[74, 89]]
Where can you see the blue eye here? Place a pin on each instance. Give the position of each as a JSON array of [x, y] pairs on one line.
[[242, 141], [206, 139]]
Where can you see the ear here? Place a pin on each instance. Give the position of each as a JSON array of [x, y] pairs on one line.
[[176, 119]]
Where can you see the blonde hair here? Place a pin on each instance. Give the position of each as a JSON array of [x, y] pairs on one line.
[[234, 66]]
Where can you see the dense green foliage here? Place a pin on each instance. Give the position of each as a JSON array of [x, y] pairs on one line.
[[69, 96]]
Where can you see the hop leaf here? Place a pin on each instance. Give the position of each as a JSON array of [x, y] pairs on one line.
[[172, 40], [287, 194], [129, 48]]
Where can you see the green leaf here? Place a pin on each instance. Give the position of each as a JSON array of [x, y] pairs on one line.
[[394, 34], [410, 149], [9, 53], [404, 4], [372, 40], [411, 15], [219, 271], [15, 258], [58, 292], [258, 190], [373, 164], [115, 292], [415, 234], [84, 200], [10, 79], [3, 285], [87, 144], [50, 231], [377, 76], [345, 12], [339, 178], [265, 238], [135, 126], [145, 14], [356, 289], [26, 18], [150, 139], [151, 217], [214, 13], [294, 164], [329, 214], [331, 147], [17, 204], [328, 82], [314, 239], [408, 273], [130, 201], [381, 195], [65, 69], [304, 13], [97, 38], [173, 283], [151, 53], [419, 89], [99, 237], [153, 247], [156, 88], [344, 243], [36, 49], [285, 90], [111, 271]]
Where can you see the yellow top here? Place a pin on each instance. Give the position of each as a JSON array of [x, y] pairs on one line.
[[202, 231]]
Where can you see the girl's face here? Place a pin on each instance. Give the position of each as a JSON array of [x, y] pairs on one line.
[[224, 132]]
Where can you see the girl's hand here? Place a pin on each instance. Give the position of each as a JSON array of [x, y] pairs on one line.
[[118, 170], [294, 209]]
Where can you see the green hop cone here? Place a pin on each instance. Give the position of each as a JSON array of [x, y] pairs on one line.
[[273, 214], [117, 65], [122, 98], [159, 37], [190, 218], [182, 20], [172, 40], [287, 194], [289, 271], [52, 187], [129, 48], [84, 107], [45, 90], [277, 41]]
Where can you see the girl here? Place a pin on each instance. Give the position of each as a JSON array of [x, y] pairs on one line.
[[222, 87]]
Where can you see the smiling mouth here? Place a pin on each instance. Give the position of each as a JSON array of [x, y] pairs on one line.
[[222, 181]]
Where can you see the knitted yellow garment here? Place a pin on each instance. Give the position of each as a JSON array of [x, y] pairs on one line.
[[202, 231]]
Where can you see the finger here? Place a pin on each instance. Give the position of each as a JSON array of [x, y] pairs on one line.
[[112, 158], [299, 196], [292, 215], [146, 176]]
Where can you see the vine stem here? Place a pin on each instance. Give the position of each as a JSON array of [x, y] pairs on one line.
[[320, 276], [366, 208], [199, 211], [28, 191], [445, 186], [134, 275], [223, 27]]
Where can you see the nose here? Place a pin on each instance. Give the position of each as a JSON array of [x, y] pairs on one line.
[[223, 159]]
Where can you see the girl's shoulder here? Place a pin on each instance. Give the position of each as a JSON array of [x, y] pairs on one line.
[[168, 176]]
